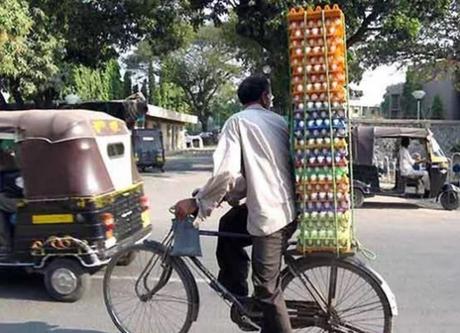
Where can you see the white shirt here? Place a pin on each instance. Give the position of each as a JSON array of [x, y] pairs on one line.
[[258, 140], [406, 162]]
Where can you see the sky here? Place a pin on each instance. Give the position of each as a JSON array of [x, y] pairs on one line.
[[375, 82]]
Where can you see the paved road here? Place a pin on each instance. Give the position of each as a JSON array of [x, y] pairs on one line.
[[417, 254]]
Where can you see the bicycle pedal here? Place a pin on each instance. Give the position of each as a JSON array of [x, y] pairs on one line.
[[243, 321]]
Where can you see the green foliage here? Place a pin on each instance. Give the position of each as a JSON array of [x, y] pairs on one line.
[[201, 70], [408, 102], [151, 84], [437, 108], [127, 84], [378, 31], [385, 107], [96, 84], [15, 26]]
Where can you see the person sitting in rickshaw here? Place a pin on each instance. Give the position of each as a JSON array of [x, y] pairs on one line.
[[11, 189], [407, 166]]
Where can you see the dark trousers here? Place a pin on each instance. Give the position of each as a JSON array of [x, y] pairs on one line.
[[7, 207], [267, 251]]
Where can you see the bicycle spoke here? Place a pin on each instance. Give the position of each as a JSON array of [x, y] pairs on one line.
[[353, 302], [145, 298]]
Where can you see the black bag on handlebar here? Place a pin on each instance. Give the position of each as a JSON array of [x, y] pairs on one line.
[[186, 239]]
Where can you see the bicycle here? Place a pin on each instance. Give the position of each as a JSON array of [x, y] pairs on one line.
[[323, 292]]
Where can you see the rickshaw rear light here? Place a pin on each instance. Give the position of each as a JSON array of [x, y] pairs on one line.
[[145, 202], [109, 223]]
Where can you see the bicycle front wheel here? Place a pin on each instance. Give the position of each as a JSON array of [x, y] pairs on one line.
[[154, 294], [334, 295]]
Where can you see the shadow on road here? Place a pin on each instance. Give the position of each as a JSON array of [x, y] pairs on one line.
[[17, 284], [39, 327], [390, 205]]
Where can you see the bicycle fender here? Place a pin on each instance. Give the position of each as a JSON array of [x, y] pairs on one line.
[[383, 284]]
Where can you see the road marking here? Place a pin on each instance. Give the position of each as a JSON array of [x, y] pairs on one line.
[[131, 278]]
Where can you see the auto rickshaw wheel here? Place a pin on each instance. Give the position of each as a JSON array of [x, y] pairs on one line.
[[358, 198], [127, 259], [449, 200], [66, 280]]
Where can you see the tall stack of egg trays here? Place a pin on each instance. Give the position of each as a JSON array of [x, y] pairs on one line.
[[319, 129]]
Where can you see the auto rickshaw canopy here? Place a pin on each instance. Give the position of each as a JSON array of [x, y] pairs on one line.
[[70, 153], [363, 138]]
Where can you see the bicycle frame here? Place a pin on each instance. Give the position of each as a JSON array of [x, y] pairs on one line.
[[289, 258]]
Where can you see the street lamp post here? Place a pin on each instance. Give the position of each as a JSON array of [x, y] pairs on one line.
[[418, 95]]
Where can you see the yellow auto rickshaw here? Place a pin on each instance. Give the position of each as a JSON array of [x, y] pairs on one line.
[[82, 197]]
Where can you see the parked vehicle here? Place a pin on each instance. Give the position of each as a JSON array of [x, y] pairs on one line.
[[83, 198], [365, 171], [148, 148]]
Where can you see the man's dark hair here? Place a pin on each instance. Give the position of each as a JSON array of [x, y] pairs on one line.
[[405, 142], [252, 88]]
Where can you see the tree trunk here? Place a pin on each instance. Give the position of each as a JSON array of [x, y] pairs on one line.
[[16, 93], [204, 122], [3, 103]]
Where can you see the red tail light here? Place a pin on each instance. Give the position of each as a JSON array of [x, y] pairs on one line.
[[109, 223], [145, 202]]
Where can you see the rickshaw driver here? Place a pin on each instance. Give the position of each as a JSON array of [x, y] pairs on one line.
[[407, 163], [254, 143], [11, 188]]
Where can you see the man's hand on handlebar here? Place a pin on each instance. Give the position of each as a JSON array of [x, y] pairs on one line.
[[185, 208]]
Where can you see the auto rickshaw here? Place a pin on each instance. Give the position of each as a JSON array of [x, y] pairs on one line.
[[148, 148], [368, 171], [83, 198]]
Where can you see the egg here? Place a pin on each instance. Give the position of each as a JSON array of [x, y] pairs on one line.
[[309, 87], [308, 50], [311, 24], [317, 86], [320, 160], [326, 122], [299, 88], [317, 49], [319, 23], [299, 69], [309, 68], [318, 105], [319, 122], [300, 106], [324, 86], [327, 141], [317, 67], [310, 105], [298, 51], [315, 31], [331, 30], [314, 97], [298, 33]]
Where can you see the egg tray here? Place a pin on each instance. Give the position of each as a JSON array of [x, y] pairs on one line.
[[319, 129]]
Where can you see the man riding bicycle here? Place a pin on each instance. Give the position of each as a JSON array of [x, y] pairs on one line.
[[252, 160]]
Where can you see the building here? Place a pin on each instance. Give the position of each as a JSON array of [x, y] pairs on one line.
[[360, 110], [443, 88], [172, 124]]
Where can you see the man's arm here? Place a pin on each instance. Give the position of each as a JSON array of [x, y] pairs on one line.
[[227, 168]]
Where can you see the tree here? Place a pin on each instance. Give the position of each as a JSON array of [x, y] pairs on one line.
[[95, 84], [151, 84], [437, 108], [408, 102], [379, 31], [201, 70], [127, 84]]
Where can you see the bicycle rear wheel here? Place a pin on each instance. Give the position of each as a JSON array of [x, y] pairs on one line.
[[333, 295], [154, 294]]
